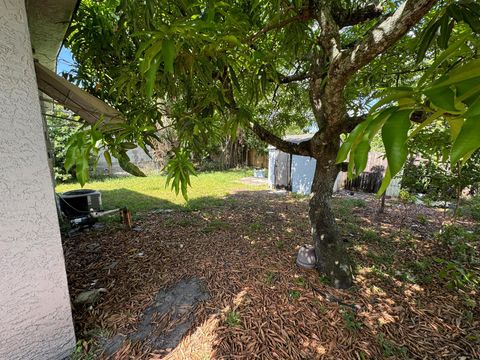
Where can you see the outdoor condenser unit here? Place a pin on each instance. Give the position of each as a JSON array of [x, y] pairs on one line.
[[78, 203]]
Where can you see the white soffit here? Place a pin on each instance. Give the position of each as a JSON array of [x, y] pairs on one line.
[[48, 21], [85, 105]]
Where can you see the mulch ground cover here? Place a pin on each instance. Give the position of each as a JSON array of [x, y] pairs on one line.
[[260, 304]]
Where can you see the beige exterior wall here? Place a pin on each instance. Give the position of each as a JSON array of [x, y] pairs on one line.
[[35, 314]]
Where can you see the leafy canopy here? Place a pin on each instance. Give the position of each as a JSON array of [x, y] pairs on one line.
[[446, 92], [207, 67]]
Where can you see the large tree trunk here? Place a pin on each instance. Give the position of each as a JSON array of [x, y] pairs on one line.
[[332, 258]]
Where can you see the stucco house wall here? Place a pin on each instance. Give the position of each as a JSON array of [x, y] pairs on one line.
[[35, 314]]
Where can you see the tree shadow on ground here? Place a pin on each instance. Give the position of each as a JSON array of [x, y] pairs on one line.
[[242, 249], [140, 204]]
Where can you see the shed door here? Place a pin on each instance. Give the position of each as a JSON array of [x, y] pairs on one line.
[[282, 170]]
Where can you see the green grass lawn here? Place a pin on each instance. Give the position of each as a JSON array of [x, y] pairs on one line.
[[149, 193]]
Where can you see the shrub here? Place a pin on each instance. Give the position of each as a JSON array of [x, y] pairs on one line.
[[59, 132], [461, 243], [471, 208], [406, 196]]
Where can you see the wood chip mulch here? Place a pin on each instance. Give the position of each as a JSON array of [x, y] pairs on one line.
[[244, 252]]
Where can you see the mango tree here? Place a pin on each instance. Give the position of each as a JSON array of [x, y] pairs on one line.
[[209, 67]]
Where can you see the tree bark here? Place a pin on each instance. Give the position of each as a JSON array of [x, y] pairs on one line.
[[331, 68], [332, 259]]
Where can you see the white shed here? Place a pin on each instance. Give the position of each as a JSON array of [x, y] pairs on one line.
[[295, 172]]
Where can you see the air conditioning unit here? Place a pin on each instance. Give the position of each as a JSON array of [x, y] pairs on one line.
[[77, 203]]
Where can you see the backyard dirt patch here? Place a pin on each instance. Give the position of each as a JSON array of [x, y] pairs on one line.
[[254, 181], [260, 304]]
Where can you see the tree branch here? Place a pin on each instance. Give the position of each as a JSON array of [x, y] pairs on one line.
[[302, 148], [323, 102], [383, 36], [345, 18], [377, 41], [329, 38], [265, 135], [349, 123], [303, 15], [285, 79]]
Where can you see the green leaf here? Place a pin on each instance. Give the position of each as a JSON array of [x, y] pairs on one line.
[[444, 99], [453, 50], [347, 144], [466, 71], [179, 168], [151, 54], [152, 76], [474, 7], [386, 181], [129, 167], [472, 20], [378, 120], [361, 155], [108, 158], [128, 145], [343, 151], [394, 136], [426, 39], [473, 110], [234, 78], [358, 142], [184, 190], [446, 27], [70, 156], [467, 140], [468, 91], [455, 126], [82, 170], [392, 94], [169, 53], [455, 11], [467, 156], [231, 39]]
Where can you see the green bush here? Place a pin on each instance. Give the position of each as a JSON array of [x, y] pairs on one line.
[[431, 179], [461, 242], [59, 132], [471, 208], [406, 196], [428, 173]]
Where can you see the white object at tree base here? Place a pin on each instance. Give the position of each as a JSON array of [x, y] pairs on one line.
[[306, 257]]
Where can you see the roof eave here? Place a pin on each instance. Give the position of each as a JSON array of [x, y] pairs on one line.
[[48, 21]]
